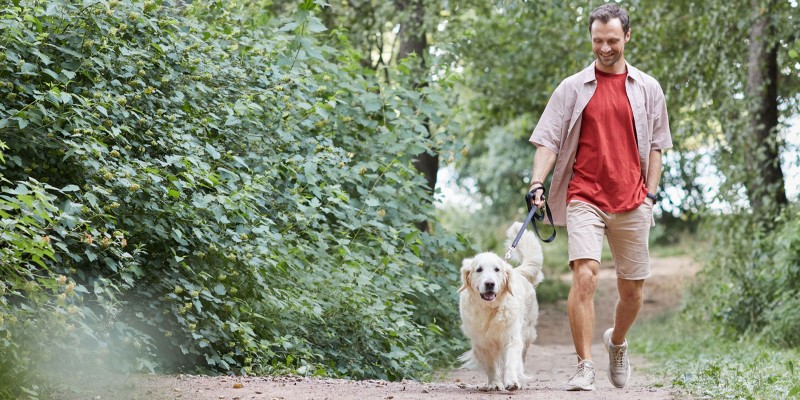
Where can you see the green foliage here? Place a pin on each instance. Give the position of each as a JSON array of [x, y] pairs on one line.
[[513, 55], [43, 318], [241, 202], [751, 276], [698, 363]]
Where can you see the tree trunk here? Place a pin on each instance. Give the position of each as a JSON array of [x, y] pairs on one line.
[[765, 182], [413, 41]]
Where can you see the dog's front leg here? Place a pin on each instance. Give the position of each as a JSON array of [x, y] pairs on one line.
[[513, 366], [490, 364]]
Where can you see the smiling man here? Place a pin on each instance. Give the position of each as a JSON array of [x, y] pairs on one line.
[[602, 134]]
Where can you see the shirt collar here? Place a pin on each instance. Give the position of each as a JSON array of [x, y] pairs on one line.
[[589, 76]]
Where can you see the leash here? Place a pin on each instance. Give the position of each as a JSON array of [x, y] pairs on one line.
[[532, 213]]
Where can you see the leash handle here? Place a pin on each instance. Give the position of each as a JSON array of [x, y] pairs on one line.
[[532, 213], [545, 211]]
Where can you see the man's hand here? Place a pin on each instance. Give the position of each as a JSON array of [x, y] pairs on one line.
[[538, 196]]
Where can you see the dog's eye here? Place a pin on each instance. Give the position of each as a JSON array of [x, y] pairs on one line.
[[496, 269], [480, 269]]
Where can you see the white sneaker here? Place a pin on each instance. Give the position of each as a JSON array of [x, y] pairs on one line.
[[619, 369], [583, 378]]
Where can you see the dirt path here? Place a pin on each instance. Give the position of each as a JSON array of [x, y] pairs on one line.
[[549, 363]]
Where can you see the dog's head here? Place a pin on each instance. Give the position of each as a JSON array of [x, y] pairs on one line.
[[487, 274]]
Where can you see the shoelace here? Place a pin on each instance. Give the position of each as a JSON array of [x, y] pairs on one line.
[[619, 356], [582, 369]]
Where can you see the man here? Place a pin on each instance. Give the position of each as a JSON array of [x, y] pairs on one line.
[[603, 130]]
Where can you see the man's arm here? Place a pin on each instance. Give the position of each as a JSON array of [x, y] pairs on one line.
[[654, 171], [543, 162]]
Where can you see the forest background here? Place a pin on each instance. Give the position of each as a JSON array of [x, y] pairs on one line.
[[255, 187]]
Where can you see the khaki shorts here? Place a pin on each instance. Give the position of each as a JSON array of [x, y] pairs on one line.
[[628, 234]]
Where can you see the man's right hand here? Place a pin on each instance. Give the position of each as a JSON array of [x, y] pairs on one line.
[[538, 196]]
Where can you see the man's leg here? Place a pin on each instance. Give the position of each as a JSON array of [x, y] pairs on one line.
[[628, 306], [628, 240], [586, 230], [580, 305]]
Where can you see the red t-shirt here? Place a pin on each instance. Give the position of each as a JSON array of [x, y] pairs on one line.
[[606, 172]]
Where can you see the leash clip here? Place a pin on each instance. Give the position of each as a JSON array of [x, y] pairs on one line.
[[508, 253]]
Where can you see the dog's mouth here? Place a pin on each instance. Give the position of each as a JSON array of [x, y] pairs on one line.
[[488, 296]]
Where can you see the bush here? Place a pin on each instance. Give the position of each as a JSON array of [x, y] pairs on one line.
[[233, 201], [751, 276]]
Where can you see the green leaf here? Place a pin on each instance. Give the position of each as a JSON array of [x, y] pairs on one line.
[[315, 25], [212, 151], [308, 5], [289, 27], [19, 190], [371, 102], [219, 289], [45, 59]]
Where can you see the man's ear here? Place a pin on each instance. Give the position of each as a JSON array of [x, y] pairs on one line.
[[466, 267]]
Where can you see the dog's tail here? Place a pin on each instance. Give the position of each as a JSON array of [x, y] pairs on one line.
[[528, 253], [468, 360]]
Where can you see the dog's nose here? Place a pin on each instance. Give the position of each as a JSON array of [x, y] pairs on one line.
[[489, 285]]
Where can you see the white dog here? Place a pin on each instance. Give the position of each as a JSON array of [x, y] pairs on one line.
[[499, 311]]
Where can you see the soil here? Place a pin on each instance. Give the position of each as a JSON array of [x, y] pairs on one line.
[[549, 363]]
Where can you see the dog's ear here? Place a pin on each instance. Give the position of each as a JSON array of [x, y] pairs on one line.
[[508, 284], [466, 268]]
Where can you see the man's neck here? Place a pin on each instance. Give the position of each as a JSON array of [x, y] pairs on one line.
[[619, 68]]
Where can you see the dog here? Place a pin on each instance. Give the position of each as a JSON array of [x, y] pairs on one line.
[[499, 310]]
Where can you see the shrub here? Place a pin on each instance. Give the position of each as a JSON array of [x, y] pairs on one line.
[[234, 201], [751, 276]]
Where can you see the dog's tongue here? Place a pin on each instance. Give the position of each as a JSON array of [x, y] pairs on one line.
[[488, 296]]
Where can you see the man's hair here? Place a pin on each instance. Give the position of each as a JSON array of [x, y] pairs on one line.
[[606, 13]]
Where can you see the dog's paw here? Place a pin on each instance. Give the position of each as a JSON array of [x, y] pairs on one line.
[[513, 386], [491, 386]]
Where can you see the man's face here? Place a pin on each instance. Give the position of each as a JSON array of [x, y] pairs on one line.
[[608, 45]]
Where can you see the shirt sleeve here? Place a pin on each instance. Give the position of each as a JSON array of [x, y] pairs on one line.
[[549, 129], [662, 138]]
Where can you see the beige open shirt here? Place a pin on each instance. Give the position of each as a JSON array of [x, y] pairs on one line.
[[559, 127]]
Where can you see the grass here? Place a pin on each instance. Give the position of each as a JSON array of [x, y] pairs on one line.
[[697, 361]]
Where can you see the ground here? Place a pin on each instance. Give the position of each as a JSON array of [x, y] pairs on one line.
[[549, 363]]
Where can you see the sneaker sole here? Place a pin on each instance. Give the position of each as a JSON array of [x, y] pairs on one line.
[[580, 388]]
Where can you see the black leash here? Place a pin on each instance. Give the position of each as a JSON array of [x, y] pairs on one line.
[[534, 212]]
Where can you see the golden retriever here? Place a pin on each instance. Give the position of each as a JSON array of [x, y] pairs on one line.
[[499, 311]]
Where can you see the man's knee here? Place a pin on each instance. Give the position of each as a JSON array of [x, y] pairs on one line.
[[584, 275], [630, 292]]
